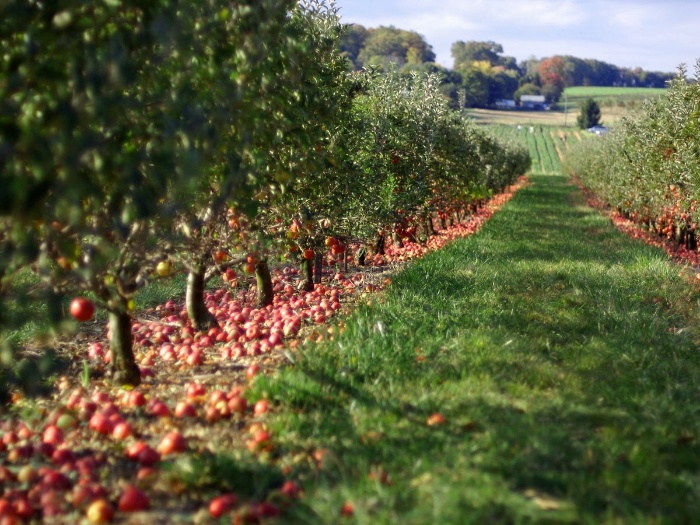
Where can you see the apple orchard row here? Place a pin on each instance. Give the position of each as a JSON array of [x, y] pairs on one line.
[[214, 138], [649, 168], [102, 453]]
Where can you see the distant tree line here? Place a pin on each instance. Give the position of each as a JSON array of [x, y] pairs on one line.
[[481, 73]]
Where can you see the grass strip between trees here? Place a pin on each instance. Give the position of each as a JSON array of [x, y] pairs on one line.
[[562, 355]]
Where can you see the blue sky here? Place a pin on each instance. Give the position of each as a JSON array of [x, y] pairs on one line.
[[656, 35]]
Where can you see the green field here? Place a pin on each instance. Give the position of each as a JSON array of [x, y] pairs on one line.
[[547, 144], [615, 103], [614, 100], [603, 92]]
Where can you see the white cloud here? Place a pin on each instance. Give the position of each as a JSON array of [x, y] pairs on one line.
[[530, 13], [656, 35], [632, 17]]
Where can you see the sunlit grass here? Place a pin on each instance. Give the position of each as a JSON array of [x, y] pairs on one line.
[[563, 356]]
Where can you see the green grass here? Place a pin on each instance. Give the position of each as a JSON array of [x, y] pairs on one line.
[[542, 143], [563, 355], [613, 101], [583, 92]]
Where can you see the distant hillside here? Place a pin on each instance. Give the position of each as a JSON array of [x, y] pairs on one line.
[[482, 74]]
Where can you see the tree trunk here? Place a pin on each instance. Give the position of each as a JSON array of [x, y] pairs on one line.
[[396, 239], [679, 234], [307, 270], [429, 226], [690, 240], [362, 256], [318, 267], [125, 371], [264, 282], [379, 244], [200, 317]]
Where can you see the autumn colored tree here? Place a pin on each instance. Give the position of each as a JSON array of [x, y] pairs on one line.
[[487, 76], [552, 73]]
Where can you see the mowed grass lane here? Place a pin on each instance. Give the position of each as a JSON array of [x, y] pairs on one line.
[[563, 356]]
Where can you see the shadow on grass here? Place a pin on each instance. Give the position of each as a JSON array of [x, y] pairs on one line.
[[563, 356]]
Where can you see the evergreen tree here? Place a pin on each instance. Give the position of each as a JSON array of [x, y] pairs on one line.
[[590, 114]]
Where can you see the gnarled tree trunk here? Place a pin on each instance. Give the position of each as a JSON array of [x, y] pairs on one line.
[[379, 244], [200, 317], [362, 256], [264, 283], [307, 271], [427, 224], [318, 267], [679, 236], [125, 371]]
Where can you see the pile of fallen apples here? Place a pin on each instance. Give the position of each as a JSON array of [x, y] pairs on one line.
[[67, 467], [97, 453]]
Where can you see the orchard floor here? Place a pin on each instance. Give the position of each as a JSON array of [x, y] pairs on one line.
[[542, 370], [214, 404]]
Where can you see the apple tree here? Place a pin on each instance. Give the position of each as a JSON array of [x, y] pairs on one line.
[[100, 136], [246, 75], [648, 167], [294, 215]]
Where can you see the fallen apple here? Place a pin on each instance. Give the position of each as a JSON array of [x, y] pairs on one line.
[[133, 499]]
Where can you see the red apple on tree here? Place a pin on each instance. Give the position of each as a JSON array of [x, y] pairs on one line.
[[82, 309]]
